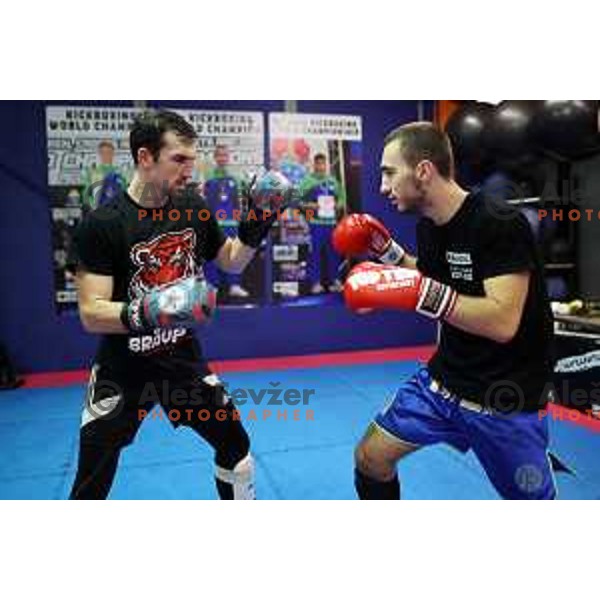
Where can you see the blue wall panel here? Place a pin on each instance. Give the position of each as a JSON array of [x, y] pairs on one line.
[[40, 339]]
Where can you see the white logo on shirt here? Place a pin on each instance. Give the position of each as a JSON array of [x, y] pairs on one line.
[[461, 265]]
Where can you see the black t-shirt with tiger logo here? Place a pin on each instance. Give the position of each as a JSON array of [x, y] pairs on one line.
[[144, 249]]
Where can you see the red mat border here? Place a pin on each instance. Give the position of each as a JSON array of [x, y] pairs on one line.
[[66, 378]]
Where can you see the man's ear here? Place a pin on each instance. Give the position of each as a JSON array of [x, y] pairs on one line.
[[145, 158], [425, 170]]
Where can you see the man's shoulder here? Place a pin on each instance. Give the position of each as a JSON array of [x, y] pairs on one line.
[[216, 174], [191, 199], [306, 179], [493, 216], [106, 217], [103, 216]]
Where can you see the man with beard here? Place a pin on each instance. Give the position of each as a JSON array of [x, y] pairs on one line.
[[141, 286]]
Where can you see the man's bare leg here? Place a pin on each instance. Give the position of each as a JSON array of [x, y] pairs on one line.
[[375, 459]]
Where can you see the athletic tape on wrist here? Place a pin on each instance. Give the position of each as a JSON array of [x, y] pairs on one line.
[[393, 255], [436, 300], [131, 316]]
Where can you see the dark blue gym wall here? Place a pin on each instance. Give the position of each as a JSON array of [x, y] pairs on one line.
[[39, 339]]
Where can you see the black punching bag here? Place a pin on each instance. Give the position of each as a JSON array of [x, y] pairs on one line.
[[568, 128], [465, 129], [509, 137]]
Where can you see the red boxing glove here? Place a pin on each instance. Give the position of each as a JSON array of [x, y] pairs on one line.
[[370, 286], [359, 234]]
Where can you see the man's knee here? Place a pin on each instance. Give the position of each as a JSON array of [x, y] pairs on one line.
[[375, 476], [373, 463]]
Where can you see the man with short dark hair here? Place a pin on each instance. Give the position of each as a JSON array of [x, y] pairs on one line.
[[478, 273], [141, 285]]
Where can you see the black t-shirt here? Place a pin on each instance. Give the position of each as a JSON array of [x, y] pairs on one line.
[[142, 252], [485, 239]]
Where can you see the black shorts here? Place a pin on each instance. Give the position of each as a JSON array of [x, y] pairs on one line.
[[115, 405]]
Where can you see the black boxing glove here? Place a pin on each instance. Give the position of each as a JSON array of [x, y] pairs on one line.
[[264, 198]]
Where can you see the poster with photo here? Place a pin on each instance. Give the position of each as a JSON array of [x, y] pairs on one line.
[[230, 149], [321, 156], [89, 163]]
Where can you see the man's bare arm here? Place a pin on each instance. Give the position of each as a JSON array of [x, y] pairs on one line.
[[408, 261], [97, 311], [496, 316]]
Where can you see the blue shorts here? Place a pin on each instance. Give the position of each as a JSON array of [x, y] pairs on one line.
[[513, 449]]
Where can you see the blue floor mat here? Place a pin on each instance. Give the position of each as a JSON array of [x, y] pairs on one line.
[[296, 458]]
